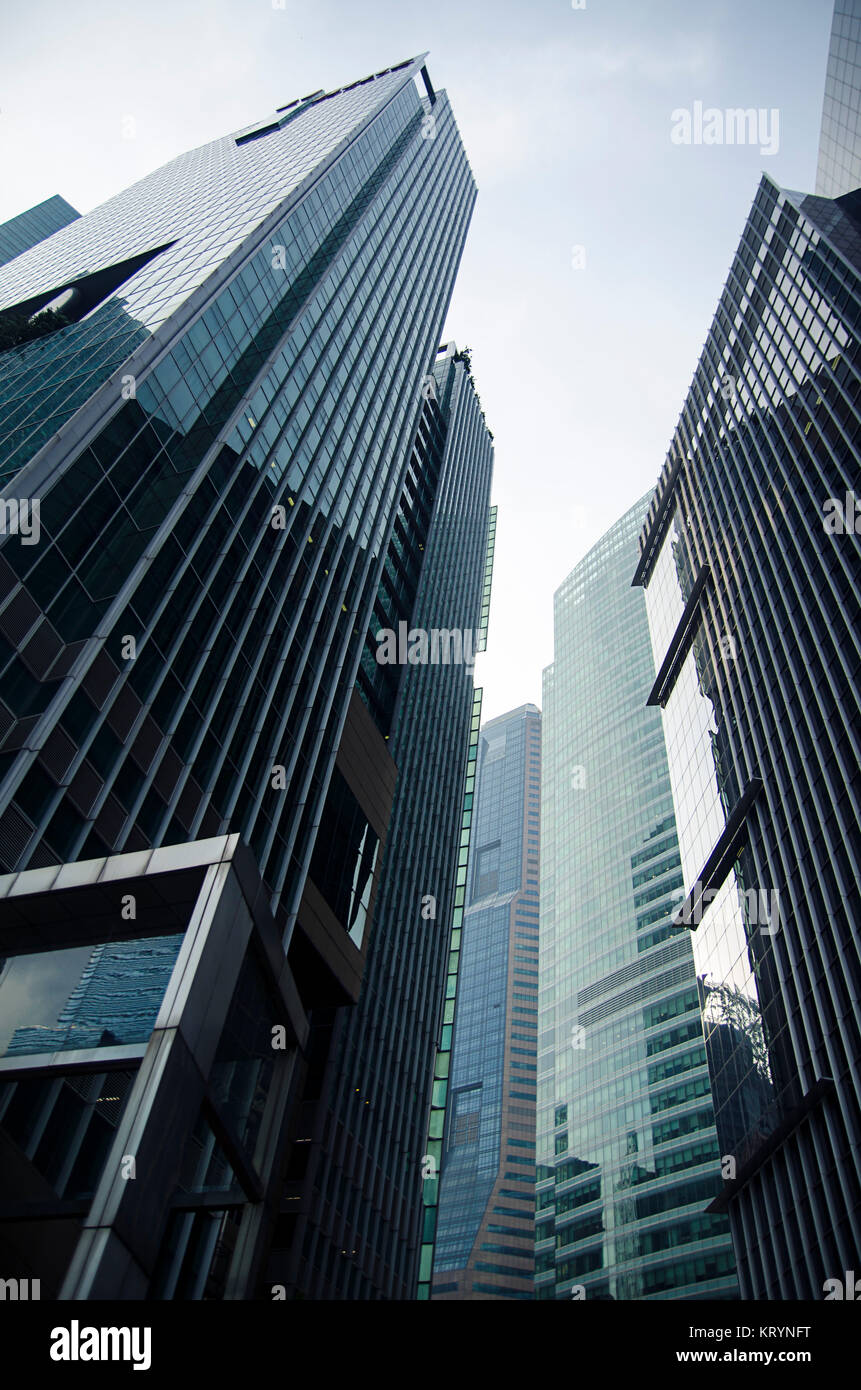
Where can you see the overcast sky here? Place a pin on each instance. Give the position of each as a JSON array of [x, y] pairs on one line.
[[567, 116]]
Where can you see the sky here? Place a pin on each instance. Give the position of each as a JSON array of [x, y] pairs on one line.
[[599, 245]]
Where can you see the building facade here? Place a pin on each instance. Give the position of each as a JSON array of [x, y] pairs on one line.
[[36, 224], [353, 1217], [485, 1229], [839, 168], [751, 561], [220, 464], [627, 1154]]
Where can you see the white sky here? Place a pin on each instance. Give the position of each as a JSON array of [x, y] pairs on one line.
[[566, 119]]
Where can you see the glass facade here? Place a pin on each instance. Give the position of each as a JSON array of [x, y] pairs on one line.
[[839, 168], [751, 559], [360, 1231], [487, 1181], [431, 1161], [704, 794], [35, 225], [627, 1153], [277, 423], [222, 428], [155, 1083], [118, 989]]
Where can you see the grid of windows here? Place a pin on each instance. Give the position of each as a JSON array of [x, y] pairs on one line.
[[296, 389], [486, 1046], [440, 1105], [748, 530], [33, 226], [215, 536], [433, 734], [609, 860], [839, 167]]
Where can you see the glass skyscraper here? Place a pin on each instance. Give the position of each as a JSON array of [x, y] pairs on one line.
[[33, 226], [484, 1240], [353, 1216], [751, 560], [232, 470], [627, 1154], [839, 167]]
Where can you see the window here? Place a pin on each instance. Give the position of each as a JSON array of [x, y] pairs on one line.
[[486, 878]]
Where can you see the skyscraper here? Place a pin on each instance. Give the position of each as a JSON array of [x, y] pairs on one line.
[[839, 167], [219, 470], [352, 1205], [485, 1228], [33, 226], [751, 560], [627, 1154]]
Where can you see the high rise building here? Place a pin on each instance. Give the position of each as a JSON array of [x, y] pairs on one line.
[[627, 1155], [352, 1224], [33, 226], [751, 561], [485, 1227], [839, 167], [223, 466]]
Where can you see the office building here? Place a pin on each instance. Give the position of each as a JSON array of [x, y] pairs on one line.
[[485, 1229], [217, 458], [36, 224], [352, 1224], [751, 563], [839, 168], [627, 1155]]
